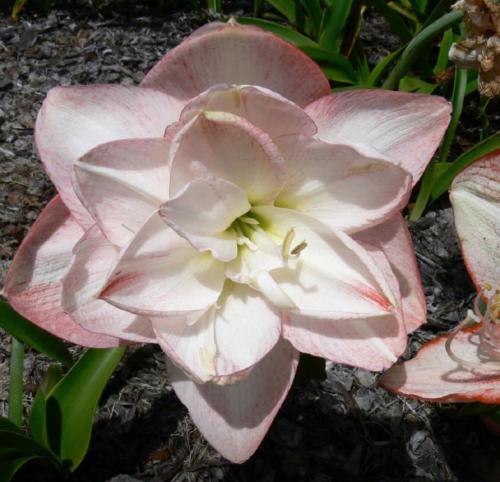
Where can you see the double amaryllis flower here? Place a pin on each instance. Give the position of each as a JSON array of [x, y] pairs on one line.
[[235, 212], [464, 366]]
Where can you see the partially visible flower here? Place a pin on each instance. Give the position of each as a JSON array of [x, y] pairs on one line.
[[233, 211], [481, 49], [464, 366]]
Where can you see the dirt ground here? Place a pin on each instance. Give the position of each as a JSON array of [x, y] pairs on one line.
[[343, 428]]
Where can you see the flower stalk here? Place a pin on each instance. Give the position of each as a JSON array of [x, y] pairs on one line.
[[16, 382]]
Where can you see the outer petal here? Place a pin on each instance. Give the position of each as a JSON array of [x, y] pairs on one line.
[[370, 342], [235, 418], [73, 120], [203, 212], [341, 185], [262, 107], [226, 340], [433, 375], [475, 196], [407, 128], [395, 241], [160, 274], [33, 284], [206, 146], [235, 54], [94, 256], [122, 183]]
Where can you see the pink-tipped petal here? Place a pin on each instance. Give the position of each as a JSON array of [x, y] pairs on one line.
[[475, 196], [236, 54], [325, 181], [235, 418], [203, 212], [369, 342], [33, 284], [332, 275], [121, 183], [160, 274], [262, 107], [406, 128], [394, 239], [74, 120], [229, 147], [433, 375], [94, 256]]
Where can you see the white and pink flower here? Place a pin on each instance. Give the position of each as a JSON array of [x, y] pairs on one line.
[[464, 366], [234, 211]]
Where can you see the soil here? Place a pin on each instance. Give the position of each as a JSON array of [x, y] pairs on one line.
[[342, 428]]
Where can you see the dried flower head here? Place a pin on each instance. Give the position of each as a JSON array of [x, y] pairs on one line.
[[481, 49]]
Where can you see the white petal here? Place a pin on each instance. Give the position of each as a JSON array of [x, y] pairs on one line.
[[229, 147], [341, 185], [160, 274], [203, 212]]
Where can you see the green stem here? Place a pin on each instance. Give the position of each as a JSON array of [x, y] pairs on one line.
[[417, 46], [457, 101], [16, 382]]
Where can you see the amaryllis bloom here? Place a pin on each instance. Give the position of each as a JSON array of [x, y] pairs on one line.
[[235, 212], [464, 366]]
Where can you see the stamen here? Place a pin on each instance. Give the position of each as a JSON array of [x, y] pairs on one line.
[[248, 220], [287, 243]]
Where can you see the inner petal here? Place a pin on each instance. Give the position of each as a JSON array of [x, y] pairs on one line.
[[203, 213]]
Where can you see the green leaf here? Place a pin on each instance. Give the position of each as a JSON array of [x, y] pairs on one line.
[[481, 149], [293, 12], [444, 48], [336, 66], [396, 22], [285, 33], [9, 467], [38, 420], [72, 403], [457, 102], [418, 45], [7, 425], [315, 13], [414, 84], [333, 24], [433, 172], [16, 445], [379, 70], [28, 333]]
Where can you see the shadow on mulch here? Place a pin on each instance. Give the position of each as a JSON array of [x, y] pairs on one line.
[[323, 433]]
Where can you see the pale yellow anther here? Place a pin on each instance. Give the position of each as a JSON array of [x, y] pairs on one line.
[[287, 243]]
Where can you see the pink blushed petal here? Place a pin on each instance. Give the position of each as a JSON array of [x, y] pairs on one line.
[[373, 343], [236, 54], [433, 375], [262, 107], [235, 418], [94, 256], [324, 180], [74, 120], [406, 128], [226, 146], [333, 275], [122, 183], [475, 196], [33, 284], [160, 274], [395, 241]]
